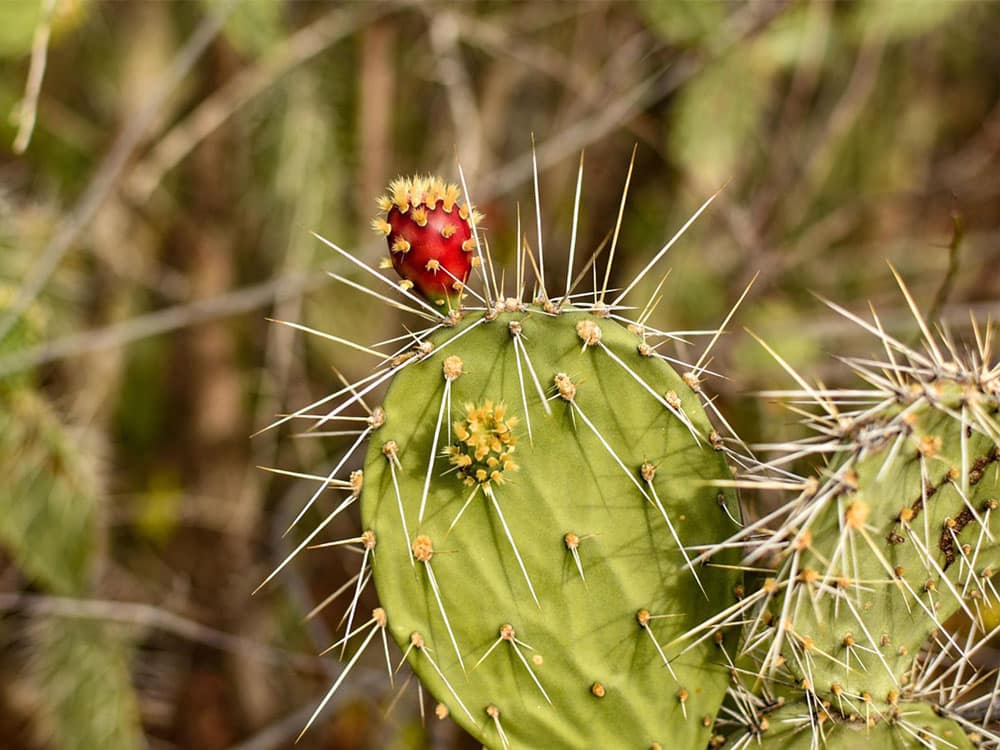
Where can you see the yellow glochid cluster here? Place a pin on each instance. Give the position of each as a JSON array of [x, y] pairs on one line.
[[485, 444]]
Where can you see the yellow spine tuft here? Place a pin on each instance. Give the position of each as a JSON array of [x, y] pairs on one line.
[[451, 195]]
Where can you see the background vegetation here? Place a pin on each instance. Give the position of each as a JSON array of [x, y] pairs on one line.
[[182, 152]]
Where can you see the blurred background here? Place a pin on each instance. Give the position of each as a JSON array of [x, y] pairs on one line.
[[162, 167]]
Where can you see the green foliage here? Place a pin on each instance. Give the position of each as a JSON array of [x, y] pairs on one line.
[[584, 628], [254, 26], [736, 91], [899, 21], [19, 18], [80, 670], [49, 496], [684, 21]]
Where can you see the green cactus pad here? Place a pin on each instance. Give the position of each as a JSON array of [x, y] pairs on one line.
[[906, 541], [579, 668], [909, 726]]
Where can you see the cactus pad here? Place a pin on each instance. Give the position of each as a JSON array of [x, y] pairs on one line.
[[910, 726], [528, 557], [883, 560]]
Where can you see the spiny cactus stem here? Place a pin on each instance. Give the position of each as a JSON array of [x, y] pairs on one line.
[[519, 349], [572, 542], [468, 501], [670, 402], [452, 371], [984, 640], [390, 450], [567, 390], [932, 565], [648, 472], [399, 475], [643, 617]]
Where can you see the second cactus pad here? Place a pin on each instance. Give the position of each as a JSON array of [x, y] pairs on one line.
[[535, 493]]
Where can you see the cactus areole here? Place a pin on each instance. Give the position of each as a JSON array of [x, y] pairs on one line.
[[429, 232]]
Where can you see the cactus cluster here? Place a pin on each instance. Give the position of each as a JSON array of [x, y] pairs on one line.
[[874, 620], [549, 516]]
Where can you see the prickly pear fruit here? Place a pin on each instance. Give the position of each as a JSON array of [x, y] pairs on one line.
[[430, 236]]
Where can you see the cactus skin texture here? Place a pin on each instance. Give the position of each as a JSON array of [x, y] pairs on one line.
[[915, 727], [584, 670]]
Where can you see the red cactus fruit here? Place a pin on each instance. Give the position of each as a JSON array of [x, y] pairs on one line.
[[430, 237]]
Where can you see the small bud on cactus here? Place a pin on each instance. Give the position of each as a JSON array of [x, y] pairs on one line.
[[429, 233]]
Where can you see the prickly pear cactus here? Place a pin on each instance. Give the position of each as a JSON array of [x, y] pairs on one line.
[[549, 521], [537, 481], [529, 527], [884, 560], [916, 727]]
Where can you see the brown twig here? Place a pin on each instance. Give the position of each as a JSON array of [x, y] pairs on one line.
[[142, 615], [162, 321]]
